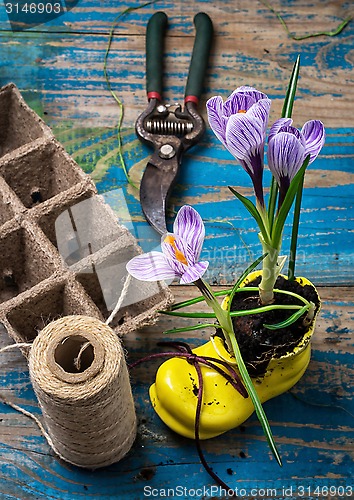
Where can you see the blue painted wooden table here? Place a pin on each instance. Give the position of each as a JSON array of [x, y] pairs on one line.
[[58, 67]]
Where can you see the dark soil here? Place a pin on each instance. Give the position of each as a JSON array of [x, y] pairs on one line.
[[259, 344]]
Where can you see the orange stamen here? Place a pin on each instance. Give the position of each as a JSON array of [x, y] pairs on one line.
[[170, 240], [241, 111]]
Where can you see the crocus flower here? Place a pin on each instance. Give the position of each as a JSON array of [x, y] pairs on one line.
[[240, 123], [180, 252], [288, 147]]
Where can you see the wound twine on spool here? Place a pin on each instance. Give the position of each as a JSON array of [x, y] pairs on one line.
[[88, 407]]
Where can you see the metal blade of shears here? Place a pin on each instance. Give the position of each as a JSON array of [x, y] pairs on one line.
[[155, 186]]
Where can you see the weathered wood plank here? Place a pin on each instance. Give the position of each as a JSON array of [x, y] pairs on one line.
[[326, 241], [251, 47], [313, 429], [302, 17], [69, 85], [61, 76], [59, 68]]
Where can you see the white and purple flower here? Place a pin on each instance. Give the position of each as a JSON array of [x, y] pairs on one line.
[[288, 148], [180, 252], [240, 123]]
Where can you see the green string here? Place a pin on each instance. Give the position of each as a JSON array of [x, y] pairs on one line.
[[334, 32], [113, 94]]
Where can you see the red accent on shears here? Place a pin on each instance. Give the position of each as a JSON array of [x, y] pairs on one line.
[[191, 98], [154, 95]]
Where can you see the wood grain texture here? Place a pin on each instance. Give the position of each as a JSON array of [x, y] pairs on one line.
[[58, 66], [62, 61], [311, 425], [326, 239]]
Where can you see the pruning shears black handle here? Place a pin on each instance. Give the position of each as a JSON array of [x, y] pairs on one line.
[[171, 129], [154, 56], [200, 56]]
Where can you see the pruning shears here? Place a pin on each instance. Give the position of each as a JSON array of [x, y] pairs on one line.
[[169, 129]]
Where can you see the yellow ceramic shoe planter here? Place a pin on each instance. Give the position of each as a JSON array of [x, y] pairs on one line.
[[174, 394]]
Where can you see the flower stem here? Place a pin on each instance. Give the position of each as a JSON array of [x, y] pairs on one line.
[[273, 193], [271, 269], [221, 315]]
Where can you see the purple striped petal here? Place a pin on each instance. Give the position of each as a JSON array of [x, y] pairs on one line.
[[251, 91], [195, 272], [189, 226], [254, 167], [152, 266], [315, 135], [277, 125], [241, 100], [215, 116], [260, 111], [292, 130], [237, 103], [244, 135], [286, 154]]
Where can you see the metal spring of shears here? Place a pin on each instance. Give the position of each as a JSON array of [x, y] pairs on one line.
[[168, 127], [166, 120]]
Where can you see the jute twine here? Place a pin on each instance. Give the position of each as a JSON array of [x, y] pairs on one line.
[[79, 374]]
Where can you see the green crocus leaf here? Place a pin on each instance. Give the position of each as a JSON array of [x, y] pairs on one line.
[[286, 113], [284, 324], [191, 328], [286, 205], [252, 209], [190, 302], [188, 315], [243, 276], [291, 90]]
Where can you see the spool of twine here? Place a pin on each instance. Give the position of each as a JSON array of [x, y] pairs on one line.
[[80, 378]]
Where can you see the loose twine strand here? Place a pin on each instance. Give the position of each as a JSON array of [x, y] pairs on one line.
[[77, 360], [30, 415], [121, 299], [20, 345]]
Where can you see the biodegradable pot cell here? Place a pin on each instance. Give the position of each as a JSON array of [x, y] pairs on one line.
[[63, 249], [174, 393], [19, 125], [32, 184]]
